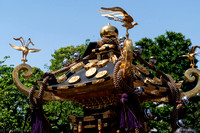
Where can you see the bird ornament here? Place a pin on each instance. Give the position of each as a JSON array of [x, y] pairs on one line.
[[24, 48]]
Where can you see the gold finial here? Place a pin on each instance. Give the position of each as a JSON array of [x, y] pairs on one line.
[[191, 58], [109, 31], [191, 55], [115, 12], [25, 48]]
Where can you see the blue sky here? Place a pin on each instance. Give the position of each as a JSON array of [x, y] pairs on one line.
[[52, 24]]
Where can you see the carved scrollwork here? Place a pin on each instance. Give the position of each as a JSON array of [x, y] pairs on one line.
[[190, 77], [27, 73]]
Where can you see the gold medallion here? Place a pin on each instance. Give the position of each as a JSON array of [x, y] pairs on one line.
[[74, 79], [101, 74], [102, 63], [89, 65], [62, 78], [91, 72]]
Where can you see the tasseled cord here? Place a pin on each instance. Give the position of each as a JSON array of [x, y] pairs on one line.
[[39, 121], [128, 119]]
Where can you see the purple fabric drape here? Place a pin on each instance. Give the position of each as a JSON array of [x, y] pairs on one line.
[[39, 122], [128, 118]]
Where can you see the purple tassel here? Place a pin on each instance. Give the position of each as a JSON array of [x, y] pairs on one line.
[[128, 118], [39, 122]]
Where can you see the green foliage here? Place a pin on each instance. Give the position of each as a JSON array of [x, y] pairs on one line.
[[191, 113], [168, 49], [13, 103], [66, 52], [58, 114]]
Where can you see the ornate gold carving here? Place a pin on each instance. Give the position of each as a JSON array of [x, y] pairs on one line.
[[77, 67], [98, 81], [102, 63], [162, 89], [62, 87], [28, 74], [162, 99], [99, 102], [62, 78], [151, 87], [98, 57], [89, 65], [189, 78], [138, 83], [137, 74], [95, 61], [91, 72], [142, 69], [112, 57], [191, 55], [101, 74], [74, 79], [127, 55], [106, 45], [79, 85], [25, 47], [49, 88], [111, 50], [115, 12], [47, 96], [155, 81], [179, 84]]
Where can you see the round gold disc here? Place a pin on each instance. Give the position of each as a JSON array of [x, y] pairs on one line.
[[101, 74], [89, 65], [91, 72], [102, 63], [74, 79]]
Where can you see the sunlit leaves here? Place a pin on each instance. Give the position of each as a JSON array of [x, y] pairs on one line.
[[168, 49]]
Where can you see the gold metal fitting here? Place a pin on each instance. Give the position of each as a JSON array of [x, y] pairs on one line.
[[74, 79], [109, 31], [91, 72]]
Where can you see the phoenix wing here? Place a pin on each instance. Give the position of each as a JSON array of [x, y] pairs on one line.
[[115, 12], [16, 47], [34, 50]]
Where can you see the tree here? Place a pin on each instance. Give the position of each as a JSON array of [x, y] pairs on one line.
[[168, 49], [56, 111], [66, 52], [13, 103]]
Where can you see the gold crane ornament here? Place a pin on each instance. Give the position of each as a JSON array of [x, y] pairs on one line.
[[191, 55], [25, 48]]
